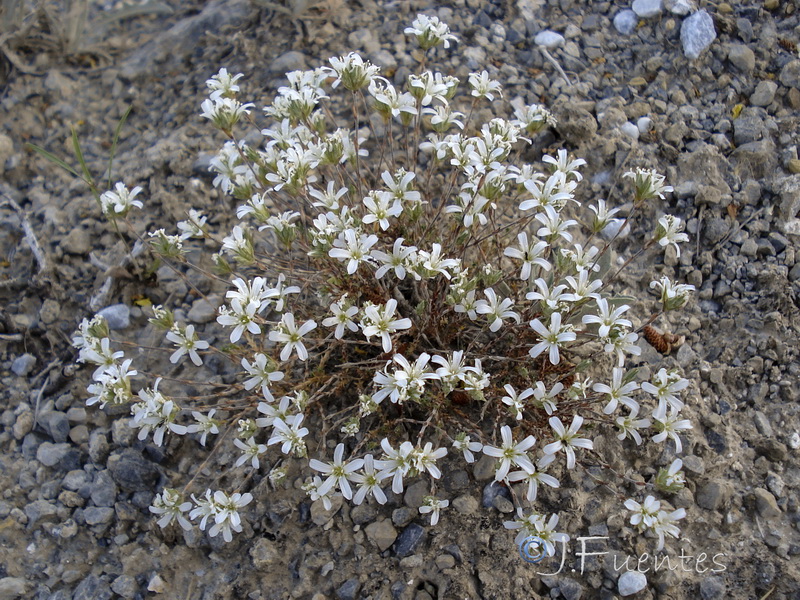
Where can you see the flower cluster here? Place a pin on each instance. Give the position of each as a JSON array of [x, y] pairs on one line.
[[414, 288]]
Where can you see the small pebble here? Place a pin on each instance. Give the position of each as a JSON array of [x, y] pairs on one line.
[[625, 22], [118, 316], [631, 130], [631, 582], [548, 39], [23, 365], [647, 8], [697, 33]]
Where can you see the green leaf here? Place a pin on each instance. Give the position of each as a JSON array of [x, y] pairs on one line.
[[630, 376], [53, 159], [76, 146], [114, 142]]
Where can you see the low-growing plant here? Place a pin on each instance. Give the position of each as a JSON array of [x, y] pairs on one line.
[[404, 282]]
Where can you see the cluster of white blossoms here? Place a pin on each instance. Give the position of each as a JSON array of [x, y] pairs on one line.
[[423, 265]]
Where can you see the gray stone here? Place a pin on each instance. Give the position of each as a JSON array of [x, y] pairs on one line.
[[790, 74], [625, 22], [631, 582], [77, 241], [386, 60], [712, 588], [747, 128], [762, 423], [12, 587], [465, 504], [22, 365], [132, 472], [749, 248], [647, 8], [363, 513], [39, 510], [381, 533], [204, 310], [104, 490], [756, 160], [289, 61], [742, 57], [409, 540], [92, 588], [98, 515], [764, 93], [575, 123], [548, 39], [319, 515], [125, 586], [570, 589], [766, 504], [788, 188], [491, 491], [118, 316], [484, 468], [74, 480], [403, 516], [457, 479], [178, 42], [697, 33], [348, 590], [415, 493], [57, 425], [716, 229], [713, 494], [51, 455]]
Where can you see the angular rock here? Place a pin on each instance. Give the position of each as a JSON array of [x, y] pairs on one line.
[[348, 590], [756, 160], [12, 588], [646, 9], [766, 504], [575, 124], [289, 61], [712, 588], [22, 365], [409, 540], [104, 490], [118, 316], [132, 472], [697, 33], [381, 533], [790, 74], [92, 588], [98, 516], [764, 93], [713, 494], [742, 57], [680, 7]]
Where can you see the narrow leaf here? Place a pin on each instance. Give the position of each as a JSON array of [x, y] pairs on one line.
[[76, 146], [53, 159]]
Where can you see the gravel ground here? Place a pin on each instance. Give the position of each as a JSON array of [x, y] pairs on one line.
[[707, 93]]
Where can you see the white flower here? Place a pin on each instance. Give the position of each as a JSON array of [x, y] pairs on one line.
[[496, 309], [665, 525], [582, 287], [263, 372], [399, 259], [288, 333], [342, 318], [433, 261], [511, 453], [553, 337], [534, 525], [483, 87], [668, 232], [380, 321], [205, 424], [535, 478], [562, 164], [666, 387], [467, 446], [353, 72], [352, 247], [396, 463], [553, 226], [224, 113], [443, 117], [529, 254], [644, 515], [400, 185], [329, 199], [424, 459], [433, 506], [223, 84], [169, 504], [545, 399], [673, 295], [156, 413], [648, 184], [187, 342], [617, 392], [628, 426], [226, 514], [369, 481], [430, 32], [381, 206], [250, 451], [339, 472], [567, 439], [669, 426], [119, 202], [607, 319], [289, 435], [550, 297], [516, 401]]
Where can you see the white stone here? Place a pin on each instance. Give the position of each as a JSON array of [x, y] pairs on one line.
[[794, 441], [647, 8], [548, 39], [644, 124], [631, 130], [625, 22], [631, 582], [680, 7], [791, 227], [118, 316], [697, 33]]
